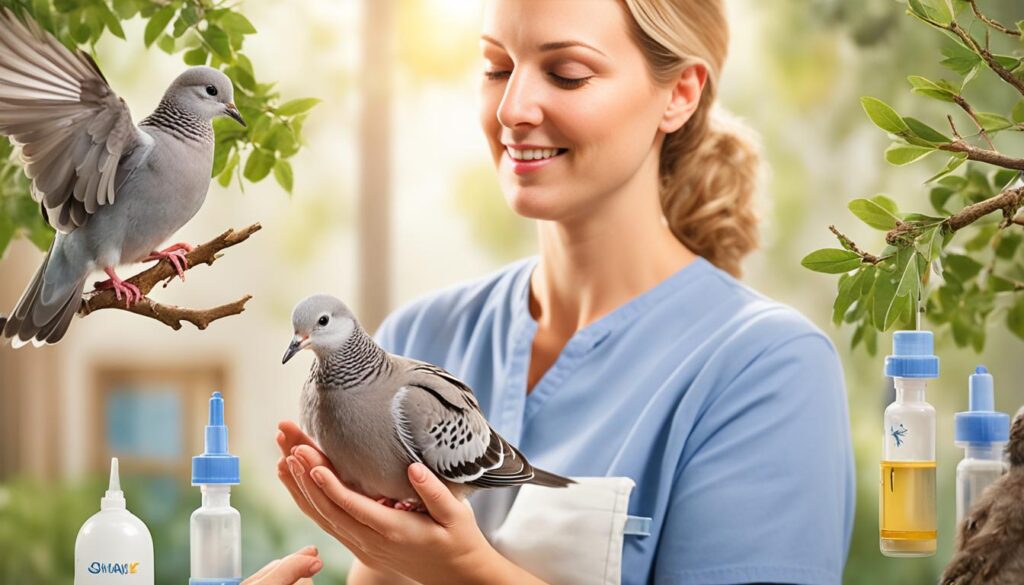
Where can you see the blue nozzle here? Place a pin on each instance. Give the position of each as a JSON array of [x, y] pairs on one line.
[[981, 423], [912, 355], [216, 465]]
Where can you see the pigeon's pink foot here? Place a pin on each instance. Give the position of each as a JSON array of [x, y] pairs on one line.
[[132, 294], [175, 255], [386, 502], [409, 506]]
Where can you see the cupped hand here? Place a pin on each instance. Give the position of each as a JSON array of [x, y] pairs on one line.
[[294, 569], [444, 544]]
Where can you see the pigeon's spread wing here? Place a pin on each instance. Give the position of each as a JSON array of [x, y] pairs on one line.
[[72, 128], [439, 423]]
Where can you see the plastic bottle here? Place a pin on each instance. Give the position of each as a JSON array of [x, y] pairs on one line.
[[216, 528], [982, 433], [113, 546], [906, 511]]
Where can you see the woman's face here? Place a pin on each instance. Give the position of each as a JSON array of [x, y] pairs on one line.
[[569, 108]]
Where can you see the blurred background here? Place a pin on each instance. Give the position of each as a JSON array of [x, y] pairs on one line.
[[394, 197]]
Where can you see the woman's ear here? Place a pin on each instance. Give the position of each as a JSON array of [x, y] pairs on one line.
[[685, 98]]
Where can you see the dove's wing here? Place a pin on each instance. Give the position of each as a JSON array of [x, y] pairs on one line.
[[72, 128], [439, 422]]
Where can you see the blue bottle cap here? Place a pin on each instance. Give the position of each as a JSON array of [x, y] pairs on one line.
[[981, 423], [216, 465], [912, 356]]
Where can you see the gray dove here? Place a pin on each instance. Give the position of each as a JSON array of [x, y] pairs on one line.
[[990, 542], [374, 413], [114, 191]]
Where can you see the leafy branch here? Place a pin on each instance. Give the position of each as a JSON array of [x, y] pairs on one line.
[[984, 276]]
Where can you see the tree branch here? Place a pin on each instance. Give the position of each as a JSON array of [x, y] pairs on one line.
[[984, 155], [850, 245], [984, 53], [1008, 201], [171, 315], [993, 24]]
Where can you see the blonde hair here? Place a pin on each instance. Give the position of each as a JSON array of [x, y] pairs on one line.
[[709, 168]]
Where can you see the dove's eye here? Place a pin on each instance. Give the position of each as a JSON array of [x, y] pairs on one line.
[[211, 90], [324, 320]]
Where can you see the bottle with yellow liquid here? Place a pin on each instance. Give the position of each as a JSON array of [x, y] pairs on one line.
[[906, 503]]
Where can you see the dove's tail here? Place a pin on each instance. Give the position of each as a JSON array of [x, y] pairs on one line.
[[548, 479], [48, 304]]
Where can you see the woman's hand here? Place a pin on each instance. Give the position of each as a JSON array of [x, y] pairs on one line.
[[445, 546], [294, 569]]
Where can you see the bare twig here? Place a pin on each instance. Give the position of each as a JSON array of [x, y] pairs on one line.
[[993, 24], [171, 315], [849, 244], [960, 101]]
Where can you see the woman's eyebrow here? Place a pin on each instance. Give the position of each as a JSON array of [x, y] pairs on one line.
[[552, 46]]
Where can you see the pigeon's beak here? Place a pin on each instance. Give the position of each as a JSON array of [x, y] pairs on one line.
[[232, 111], [298, 344]]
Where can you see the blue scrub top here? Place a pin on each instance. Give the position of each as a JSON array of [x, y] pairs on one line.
[[726, 408]]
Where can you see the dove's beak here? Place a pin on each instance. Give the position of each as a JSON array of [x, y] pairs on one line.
[[232, 111], [298, 344]]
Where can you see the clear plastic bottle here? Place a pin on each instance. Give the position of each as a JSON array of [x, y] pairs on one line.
[[906, 510], [216, 528], [982, 432]]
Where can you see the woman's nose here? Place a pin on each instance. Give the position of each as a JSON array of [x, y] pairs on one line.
[[520, 105]]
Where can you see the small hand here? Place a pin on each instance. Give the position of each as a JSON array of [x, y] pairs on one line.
[[445, 546], [294, 569]]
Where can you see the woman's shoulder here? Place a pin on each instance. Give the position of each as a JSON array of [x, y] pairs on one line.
[[753, 322], [438, 314]]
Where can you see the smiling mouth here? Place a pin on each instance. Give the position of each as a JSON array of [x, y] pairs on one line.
[[532, 154]]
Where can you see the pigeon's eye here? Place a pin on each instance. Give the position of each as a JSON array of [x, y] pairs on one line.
[[211, 90], [324, 320]]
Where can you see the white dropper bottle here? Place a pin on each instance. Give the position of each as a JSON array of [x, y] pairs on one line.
[[113, 545]]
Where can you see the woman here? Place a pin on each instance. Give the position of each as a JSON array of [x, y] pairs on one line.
[[627, 349]]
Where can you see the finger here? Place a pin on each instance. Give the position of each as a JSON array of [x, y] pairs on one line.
[[311, 457], [338, 520], [443, 506], [288, 479], [254, 579], [367, 512], [292, 568]]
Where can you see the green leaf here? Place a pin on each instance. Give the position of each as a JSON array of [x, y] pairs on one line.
[[929, 88], [1017, 114], [959, 58], [901, 154], [883, 297], [258, 165], [993, 122], [235, 23], [241, 77], [954, 162], [110, 19], [157, 24], [225, 176], [937, 11], [1007, 62], [874, 214], [909, 277], [220, 157], [296, 107], [999, 284], [883, 116], [218, 41], [196, 56], [1008, 245], [922, 130], [849, 291], [1015, 317], [831, 261], [284, 176], [964, 267]]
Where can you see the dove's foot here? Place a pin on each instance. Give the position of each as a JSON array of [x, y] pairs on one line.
[[175, 255], [404, 505], [132, 294]]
